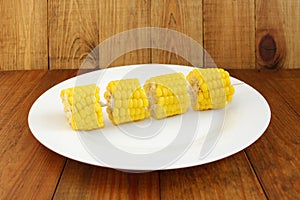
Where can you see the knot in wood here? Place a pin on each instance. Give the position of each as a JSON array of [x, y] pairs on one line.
[[267, 48]]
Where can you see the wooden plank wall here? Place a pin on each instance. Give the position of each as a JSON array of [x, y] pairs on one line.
[[57, 34], [23, 34]]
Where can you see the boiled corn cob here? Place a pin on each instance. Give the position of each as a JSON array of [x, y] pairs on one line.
[[210, 88], [167, 95], [126, 101], [82, 107]]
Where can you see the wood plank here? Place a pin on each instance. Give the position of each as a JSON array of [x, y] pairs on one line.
[[82, 181], [115, 17], [229, 32], [23, 35], [286, 82], [291, 25], [270, 41], [28, 169], [275, 156], [15, 87], [230, 178], [7, 80], [185, 17], [290, 91], [277, 34], [73, 31]]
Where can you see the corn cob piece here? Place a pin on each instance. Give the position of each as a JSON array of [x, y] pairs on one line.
[[126, 101], [210, 88], [82, 107], [167, 95]]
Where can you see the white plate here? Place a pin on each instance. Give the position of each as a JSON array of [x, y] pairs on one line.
[[193, 138]]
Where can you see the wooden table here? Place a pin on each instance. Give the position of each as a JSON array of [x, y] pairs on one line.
[[268, 169]]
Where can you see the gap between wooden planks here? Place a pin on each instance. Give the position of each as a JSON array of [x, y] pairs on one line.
[[274, 156]]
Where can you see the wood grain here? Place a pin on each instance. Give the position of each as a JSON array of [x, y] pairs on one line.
[[28, 170], [237, 34], [230, 178], [275, 157], [117, 16], [23, 35], [81, 181], [7, 80], [270, 40], [279, 22], [229, 32], [291, 25], [185, 17], [10, 84], [73, 32], [287, 85]]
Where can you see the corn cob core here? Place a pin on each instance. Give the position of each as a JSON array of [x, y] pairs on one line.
[[167, 95], [126, 101], [82, 107], [210, 88]]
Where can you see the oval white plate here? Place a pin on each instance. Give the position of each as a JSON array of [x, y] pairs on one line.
[[193, 138]]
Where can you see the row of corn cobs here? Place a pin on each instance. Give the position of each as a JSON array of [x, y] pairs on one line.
[[160, 97]]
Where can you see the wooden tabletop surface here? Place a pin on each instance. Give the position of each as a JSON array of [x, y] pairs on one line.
[[268, 169]]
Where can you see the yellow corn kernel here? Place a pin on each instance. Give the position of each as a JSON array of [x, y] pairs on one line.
[[126, 101], [167, 95], [82, 107], [211, 88]]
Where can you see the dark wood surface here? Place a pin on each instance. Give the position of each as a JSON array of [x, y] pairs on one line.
[[268, 169]]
